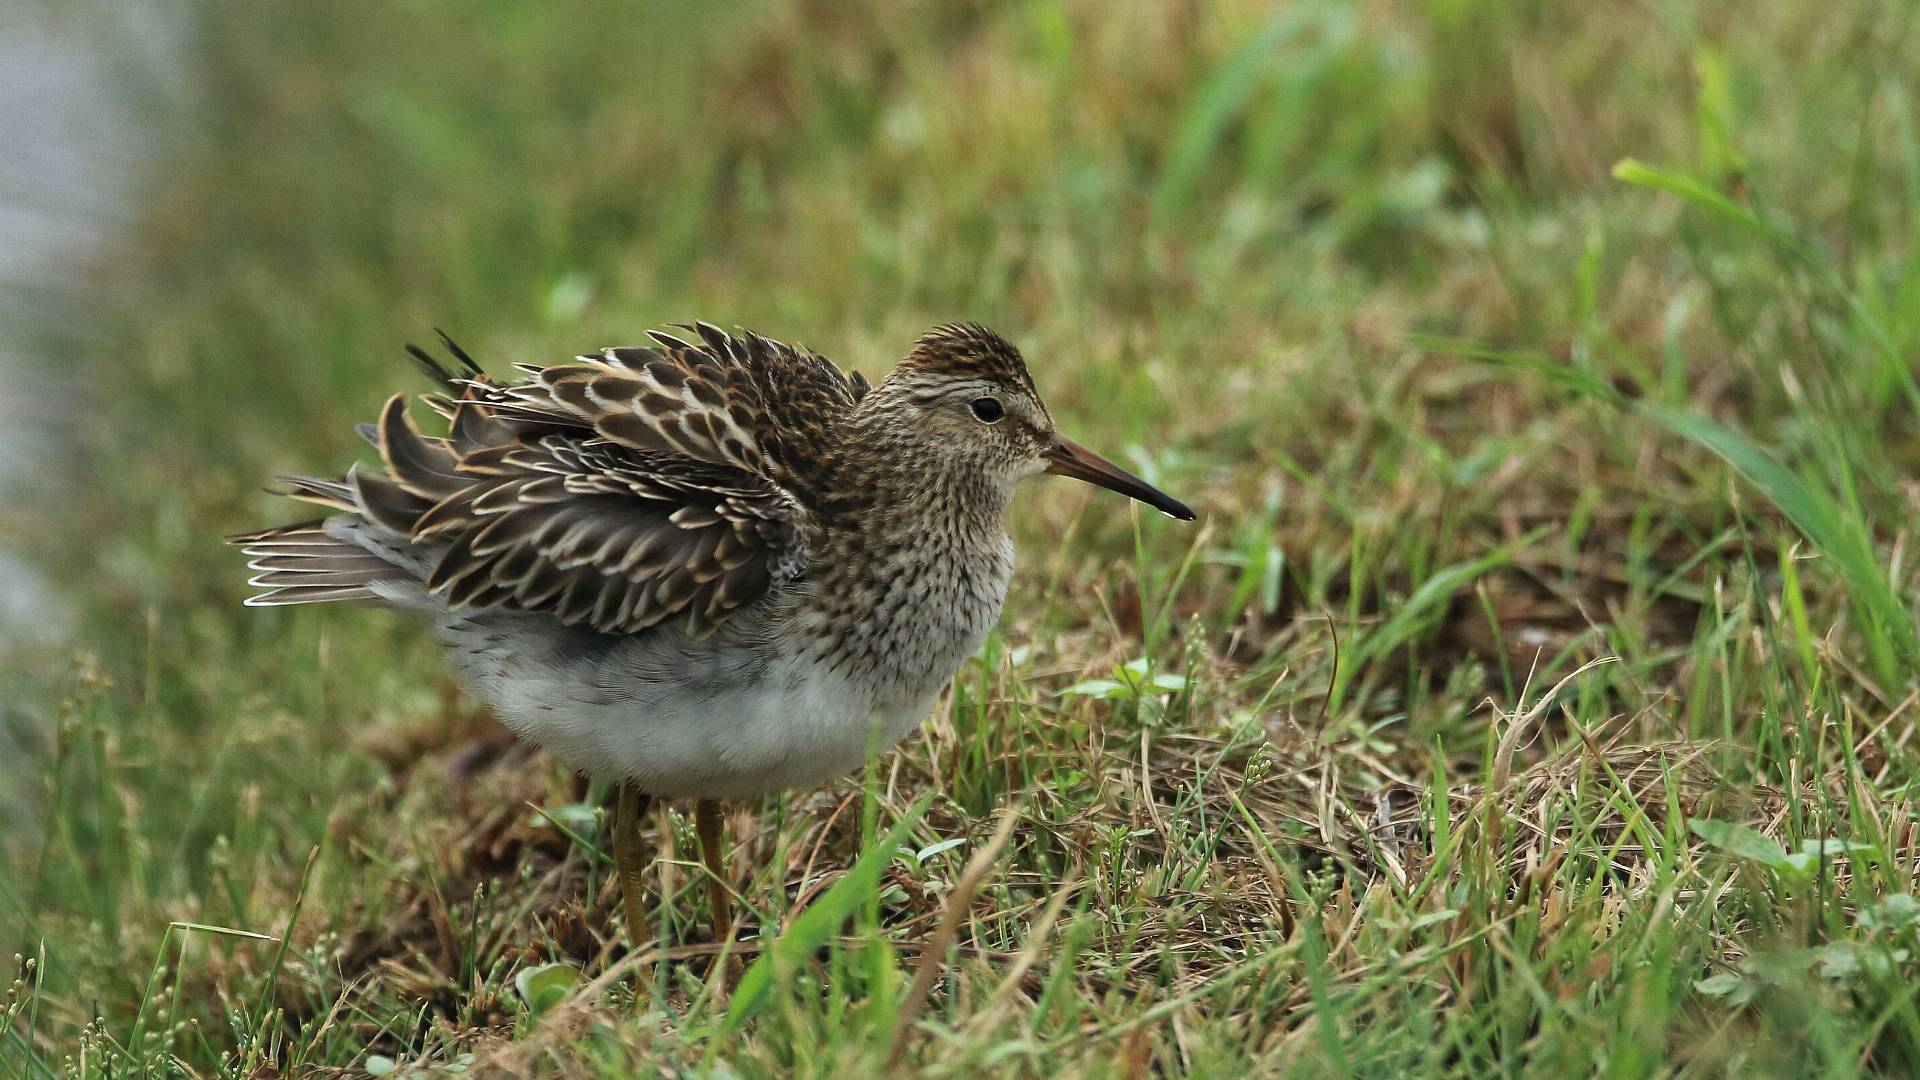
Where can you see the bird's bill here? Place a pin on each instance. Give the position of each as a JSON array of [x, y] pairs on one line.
[[1069, 458]]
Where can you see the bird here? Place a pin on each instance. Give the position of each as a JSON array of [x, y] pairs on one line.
[[711, 567]]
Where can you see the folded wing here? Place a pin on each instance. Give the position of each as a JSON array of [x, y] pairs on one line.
[[616, 492]]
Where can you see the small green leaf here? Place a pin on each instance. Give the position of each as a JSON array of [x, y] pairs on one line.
[[545, 986], [1882, 961], [931, 850], [1432, 918], [1894, 913], [1725, 985], [1843, 959], [1102, 688], [1838, 960], [379, 1065], [579, 819], [1833, 848], [1740, 841], [1782, 967]]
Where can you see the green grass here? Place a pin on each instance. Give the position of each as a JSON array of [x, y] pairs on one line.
[[1490, 339]]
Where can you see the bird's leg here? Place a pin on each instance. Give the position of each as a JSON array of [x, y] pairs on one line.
[[708, 822], [629, 859]]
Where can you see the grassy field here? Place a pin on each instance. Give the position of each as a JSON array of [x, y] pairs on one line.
[[1535, 696]]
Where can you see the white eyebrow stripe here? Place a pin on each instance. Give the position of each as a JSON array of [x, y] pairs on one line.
[[965, 391]]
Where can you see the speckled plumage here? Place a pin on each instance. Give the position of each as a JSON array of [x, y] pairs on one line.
[[713, 566]]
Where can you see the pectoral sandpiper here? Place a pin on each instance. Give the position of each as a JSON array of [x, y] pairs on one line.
[[706, 569]]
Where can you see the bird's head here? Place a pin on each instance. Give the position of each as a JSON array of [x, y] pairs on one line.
[[965, 392]]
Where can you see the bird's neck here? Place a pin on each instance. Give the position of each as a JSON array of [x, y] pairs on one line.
[[906, 588]]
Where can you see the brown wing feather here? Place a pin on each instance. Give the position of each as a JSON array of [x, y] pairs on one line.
[[741, 401], [594, 533], [648, 483]]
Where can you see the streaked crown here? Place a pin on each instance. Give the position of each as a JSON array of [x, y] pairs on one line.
[[969, 351]]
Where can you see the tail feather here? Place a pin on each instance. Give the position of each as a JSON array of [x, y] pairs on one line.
[[314, 489], [370, 552], [284, 597], [277, 554], [304, 564], [436, 370], [310, 579]]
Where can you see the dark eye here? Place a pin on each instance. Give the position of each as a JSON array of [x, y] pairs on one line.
[[987, 409]]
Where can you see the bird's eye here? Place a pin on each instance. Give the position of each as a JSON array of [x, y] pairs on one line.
[[987, 409]]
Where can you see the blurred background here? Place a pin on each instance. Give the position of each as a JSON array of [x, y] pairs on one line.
[[1488, 338]]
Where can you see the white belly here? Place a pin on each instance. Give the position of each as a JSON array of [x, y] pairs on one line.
[[729, 717], [709, 732]]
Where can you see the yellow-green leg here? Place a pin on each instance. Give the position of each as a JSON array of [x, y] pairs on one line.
[[629, 859], [709, 823]]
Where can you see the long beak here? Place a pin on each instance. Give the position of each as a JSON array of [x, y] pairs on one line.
[[1069, 458]]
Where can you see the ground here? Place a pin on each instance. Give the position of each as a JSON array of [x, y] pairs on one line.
[[1535, 695]]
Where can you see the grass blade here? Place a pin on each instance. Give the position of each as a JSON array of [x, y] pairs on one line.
[[1693, 191], [815, 925], [1406, 621], [1215, 104], [1835, 533], [1827, 524]]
